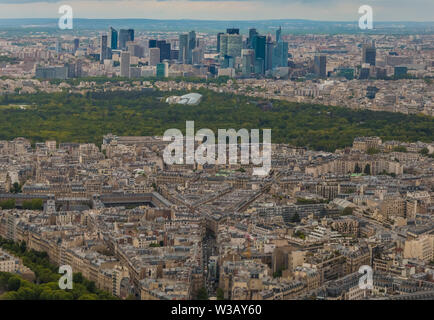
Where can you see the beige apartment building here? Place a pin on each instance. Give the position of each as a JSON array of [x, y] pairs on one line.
[[8, 263], [393, 206], [344, 167], [421, 248], [365, 143]]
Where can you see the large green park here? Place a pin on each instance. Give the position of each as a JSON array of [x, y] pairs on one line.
[[69, 117]]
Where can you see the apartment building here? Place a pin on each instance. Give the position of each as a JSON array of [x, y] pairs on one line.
[[8, 263], [421, 248]]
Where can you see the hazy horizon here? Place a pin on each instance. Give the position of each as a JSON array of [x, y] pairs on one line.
[[223, 10], [226, 20]]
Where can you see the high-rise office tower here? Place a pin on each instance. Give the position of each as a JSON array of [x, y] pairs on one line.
[[103, 48], [160, 42], [162, 70], [400, 71], [136, 50], [259, 66], [369, 54], [371, 92], [231, 45], [269, 51], [218, 41], [233, 31], [125, 64], [285, 54], [248, 61], [252, 35], [174, 54], [79, 68], [135, 72], [164, 49], [197, 55], [113, 39], [259, 46], [191, 45], [199, 42], [223, 45], [365, 71], [152, 43], [320, 66], [183, 48], [280, 58], [76, 44], [235, 45], [74, 69], [131, 34], [166, 69], [279, 34], [227, 62], [124, 37], [381, 73], [154, 56], [58, 46], [280, 55], [71, 70]]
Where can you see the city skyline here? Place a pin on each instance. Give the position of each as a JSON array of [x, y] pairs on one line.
[[216, 160], [326, 10]]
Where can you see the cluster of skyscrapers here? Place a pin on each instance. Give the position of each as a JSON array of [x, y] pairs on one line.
[[229, 54], [259, 53], [251, 56], [115, 41], [368, 68]]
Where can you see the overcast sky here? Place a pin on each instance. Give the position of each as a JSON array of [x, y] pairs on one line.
[[330, 10]]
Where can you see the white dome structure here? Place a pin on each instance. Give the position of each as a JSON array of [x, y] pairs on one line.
[[188, 99]]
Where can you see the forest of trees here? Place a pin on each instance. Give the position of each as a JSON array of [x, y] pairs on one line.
[[86, 118], [46, 285]]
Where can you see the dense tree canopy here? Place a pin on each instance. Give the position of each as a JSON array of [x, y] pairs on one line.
[[34, 204], [86, 118], [202, 294], [16, 188], [7, 204]]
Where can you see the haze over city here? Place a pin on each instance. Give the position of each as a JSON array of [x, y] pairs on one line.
[[324, 10]]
